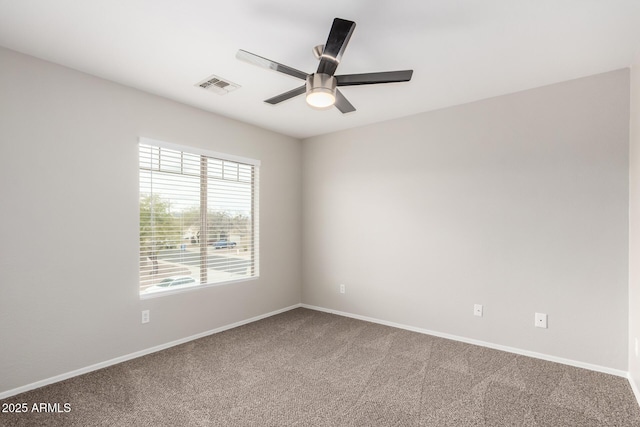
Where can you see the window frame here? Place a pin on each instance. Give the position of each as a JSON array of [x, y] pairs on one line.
[[255, 187]]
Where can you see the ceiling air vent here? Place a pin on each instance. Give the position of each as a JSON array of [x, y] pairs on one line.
[[218, 85]]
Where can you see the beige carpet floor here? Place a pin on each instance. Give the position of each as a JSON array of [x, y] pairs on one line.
[[307, 368]]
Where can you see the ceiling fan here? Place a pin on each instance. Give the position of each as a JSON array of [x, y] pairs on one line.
[[321, 87]]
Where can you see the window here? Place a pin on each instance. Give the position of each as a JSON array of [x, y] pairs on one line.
[[198, 217]]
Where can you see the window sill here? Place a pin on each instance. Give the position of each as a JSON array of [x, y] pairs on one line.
[[144, 296]]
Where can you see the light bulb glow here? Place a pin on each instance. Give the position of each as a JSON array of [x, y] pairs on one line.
[[319, 98], [321, 90]]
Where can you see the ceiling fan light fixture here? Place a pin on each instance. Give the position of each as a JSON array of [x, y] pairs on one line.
[[318, 98], [321, 90]]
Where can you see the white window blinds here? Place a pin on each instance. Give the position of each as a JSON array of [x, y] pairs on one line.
[[198, 217]]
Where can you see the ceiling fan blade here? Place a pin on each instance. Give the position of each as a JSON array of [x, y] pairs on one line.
[[374, 78], [287, 95], [343, 104], [267, 63], [339, 36]]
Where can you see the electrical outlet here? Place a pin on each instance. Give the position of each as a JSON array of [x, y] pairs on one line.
[[145, 316], [477, 310], [541, 320], [342, 289]]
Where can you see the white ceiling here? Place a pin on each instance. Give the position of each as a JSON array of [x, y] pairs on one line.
[[460, 50]]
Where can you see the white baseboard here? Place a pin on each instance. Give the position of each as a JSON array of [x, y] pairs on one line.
[[634, 387], [514, 350], [75, 373], [115, 361]]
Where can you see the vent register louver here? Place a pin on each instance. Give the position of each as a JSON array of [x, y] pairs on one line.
[[217, 85]]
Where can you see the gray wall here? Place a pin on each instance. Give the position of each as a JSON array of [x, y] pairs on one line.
[[634, 228], [519, 203], [68, 234]]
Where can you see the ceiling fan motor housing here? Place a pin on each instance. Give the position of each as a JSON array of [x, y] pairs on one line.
[[321, 90]]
